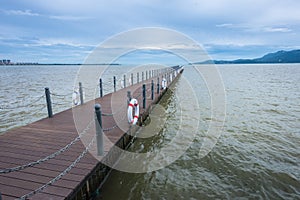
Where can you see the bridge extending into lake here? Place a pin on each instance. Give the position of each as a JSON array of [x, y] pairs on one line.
[[61, 157]]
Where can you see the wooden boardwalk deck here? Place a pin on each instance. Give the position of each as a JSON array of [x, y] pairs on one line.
[[68, 174]]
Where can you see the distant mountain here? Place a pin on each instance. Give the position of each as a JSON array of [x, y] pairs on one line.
[[277, 57]]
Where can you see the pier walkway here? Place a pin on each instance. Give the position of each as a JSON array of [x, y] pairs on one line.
[[56, 158]]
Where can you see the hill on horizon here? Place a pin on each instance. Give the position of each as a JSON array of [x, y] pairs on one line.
[[292, 56]]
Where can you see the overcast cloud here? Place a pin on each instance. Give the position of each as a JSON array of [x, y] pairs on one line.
[[65, 31]]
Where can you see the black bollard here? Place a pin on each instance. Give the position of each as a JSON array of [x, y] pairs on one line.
[[99, 130], [49, 104]]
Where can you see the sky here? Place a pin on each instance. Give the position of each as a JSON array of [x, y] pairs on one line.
[[67, 31]]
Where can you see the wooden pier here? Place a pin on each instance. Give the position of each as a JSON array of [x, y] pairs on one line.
[[56, 158]]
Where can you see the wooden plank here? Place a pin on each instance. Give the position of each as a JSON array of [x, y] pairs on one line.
[[51, 174], [41, 153], [19, 160], [51, 147], [45, 196], [31, 186], [5, 197], [40, 179], [40, 133], [12, 191]]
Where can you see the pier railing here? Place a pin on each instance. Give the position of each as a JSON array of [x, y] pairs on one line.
[[78, 96], [160, 79]]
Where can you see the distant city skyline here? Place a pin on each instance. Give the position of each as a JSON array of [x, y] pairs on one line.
[[67, 31]]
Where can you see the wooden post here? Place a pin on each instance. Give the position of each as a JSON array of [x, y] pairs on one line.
[[99, 130], [101, 88], [49, 104], [81, 93]]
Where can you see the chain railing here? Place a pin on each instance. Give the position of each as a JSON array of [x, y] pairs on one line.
[[98, 121], [53, 155], [166, 74], [67, 170]]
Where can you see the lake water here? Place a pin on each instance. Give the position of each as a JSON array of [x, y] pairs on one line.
[[257, 156]]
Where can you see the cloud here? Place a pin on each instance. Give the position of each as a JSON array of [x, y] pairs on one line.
[[34, 14], [233, 23], [31, 13], [20, 12], [61, 42], [69, 17], [232, 51], [31, 49], [42, 42], [255, 28], [277, 29], [281, 12], [224, 25]]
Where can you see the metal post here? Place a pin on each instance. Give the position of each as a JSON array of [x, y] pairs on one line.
[[101, 88], [157, 85], [137, 78], [131, 78], [99, 130], [144, 96], [167, 79], [149, 73], [142, 76], [146, 75], [115, 84], [81, 93], [128, 97], [124, 81], [152, 89], [49, 105]]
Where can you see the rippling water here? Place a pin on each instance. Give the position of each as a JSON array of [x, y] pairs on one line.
[[22, 90], [256, 157]]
